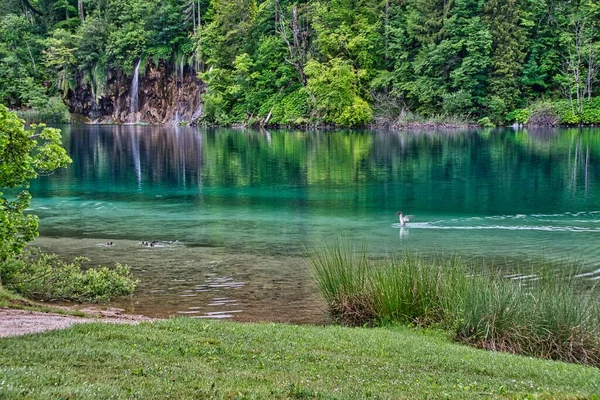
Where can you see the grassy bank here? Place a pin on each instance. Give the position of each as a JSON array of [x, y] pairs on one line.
[[550, 317], [14, 301], [186, 358]]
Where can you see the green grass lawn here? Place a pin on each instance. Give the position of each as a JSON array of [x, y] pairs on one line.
[[186, 358]]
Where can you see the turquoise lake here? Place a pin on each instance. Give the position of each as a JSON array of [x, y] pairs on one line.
[[233, 210]]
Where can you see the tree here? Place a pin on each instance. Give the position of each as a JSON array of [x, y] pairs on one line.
[[21, 70], [333, 88], [580, 65], [24, 154], [60, 57], [504, 20]]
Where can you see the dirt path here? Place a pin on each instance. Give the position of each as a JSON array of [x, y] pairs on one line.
[[22, 322]]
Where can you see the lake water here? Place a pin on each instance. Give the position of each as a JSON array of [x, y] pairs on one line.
[[234, 210]]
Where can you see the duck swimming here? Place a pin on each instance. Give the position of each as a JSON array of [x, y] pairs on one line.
[[404, 218]]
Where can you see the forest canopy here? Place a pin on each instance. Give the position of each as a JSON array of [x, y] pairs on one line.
[[340, 62]]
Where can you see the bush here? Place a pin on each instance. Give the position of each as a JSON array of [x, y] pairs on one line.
[[45, 277], [543, 114], [551, 113], [485, 122], [549, 318], [497, 109], [458, 103], [520, 115], [54, 111]]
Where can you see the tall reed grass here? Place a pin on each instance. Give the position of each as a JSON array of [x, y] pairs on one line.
[[550, 317], [54, 111]]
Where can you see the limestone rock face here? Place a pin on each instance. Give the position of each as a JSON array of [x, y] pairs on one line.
[[167, 94]]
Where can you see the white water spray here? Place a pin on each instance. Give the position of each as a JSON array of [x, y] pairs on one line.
[[198, 112], [181, 70], [135, 86]]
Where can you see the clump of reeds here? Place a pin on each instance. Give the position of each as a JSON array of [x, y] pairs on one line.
[[346, 289], [550, 317]]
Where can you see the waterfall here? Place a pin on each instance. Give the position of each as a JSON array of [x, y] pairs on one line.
[[135, 86], [177, 119], [179, 113], [197, 113], [176, 95], [181, 70]]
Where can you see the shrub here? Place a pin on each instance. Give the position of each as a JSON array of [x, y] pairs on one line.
[[485, 122], [359, 113], [45, 277], [551, 318], [520, 115], [296, 107], [53, 111], [497, 109], [458, 103], [551, 113], [543, 114]]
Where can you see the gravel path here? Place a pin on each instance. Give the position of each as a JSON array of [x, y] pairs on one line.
[[22, 322]]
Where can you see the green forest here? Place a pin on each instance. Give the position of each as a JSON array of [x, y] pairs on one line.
[[298, 63]]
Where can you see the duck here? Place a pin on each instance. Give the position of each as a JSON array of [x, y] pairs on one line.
[[404, 218]]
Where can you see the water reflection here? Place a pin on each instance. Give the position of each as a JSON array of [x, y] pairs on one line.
[[235, 209], [279, 191]]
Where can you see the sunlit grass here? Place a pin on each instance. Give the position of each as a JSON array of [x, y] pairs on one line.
[[187, 358]]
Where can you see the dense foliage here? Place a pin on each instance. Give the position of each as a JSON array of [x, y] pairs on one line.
[[294, 62], [23, 155], [45, 277]]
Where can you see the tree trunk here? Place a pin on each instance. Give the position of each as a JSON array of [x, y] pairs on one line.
[[299, 53], [81, 12], [297, 48]]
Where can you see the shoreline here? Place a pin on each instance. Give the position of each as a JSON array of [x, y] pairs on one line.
[[202, 282], [19, 322], [386, 125]]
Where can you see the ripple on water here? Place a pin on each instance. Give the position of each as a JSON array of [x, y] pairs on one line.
[[218, 314], [593, 275], [565, 222], [546, 228]]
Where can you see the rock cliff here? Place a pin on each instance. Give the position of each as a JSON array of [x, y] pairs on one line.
[[166, 94]]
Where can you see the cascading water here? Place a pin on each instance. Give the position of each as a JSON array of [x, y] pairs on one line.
[[135, 86], [180, 111], [197, 113], [181, 70], [177, 119]]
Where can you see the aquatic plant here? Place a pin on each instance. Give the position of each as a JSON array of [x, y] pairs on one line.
[[550, 317]]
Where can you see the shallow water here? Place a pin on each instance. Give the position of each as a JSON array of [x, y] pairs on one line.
[[254, 201]]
